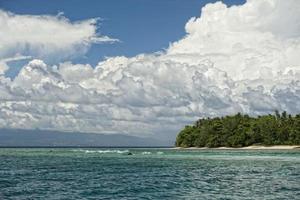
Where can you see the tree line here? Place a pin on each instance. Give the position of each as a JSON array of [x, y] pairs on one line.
[[242, 130]]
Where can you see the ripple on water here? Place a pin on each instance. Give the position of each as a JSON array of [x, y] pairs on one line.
[[148, 174]]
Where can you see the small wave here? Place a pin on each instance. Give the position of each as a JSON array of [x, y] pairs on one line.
[[160, 153], [146, 153], [103, 151]]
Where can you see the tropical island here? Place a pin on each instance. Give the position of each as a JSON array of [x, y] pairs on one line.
[[242, 131]]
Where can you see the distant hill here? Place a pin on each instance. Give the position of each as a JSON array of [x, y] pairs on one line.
[[43, 138]]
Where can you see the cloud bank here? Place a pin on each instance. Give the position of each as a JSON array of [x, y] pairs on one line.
[[46, 37], [232, 59]]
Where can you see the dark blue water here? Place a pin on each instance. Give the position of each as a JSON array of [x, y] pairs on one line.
[[149, 174]]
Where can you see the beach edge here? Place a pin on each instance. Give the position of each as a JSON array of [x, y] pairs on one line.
[[252, 147]]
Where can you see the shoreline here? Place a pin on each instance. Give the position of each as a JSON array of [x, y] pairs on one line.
[[253, 147]]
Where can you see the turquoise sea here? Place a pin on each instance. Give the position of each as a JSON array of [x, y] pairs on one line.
[[99, 173]]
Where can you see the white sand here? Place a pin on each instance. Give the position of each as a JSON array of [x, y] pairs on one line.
[[254, 147], [279, 147]]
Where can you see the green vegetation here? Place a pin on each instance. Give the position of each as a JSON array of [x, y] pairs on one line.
[[242, 130]]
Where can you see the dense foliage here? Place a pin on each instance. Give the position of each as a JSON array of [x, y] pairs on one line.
[[242, 130]]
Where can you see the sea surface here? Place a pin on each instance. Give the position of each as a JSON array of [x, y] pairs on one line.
[[99, 173]]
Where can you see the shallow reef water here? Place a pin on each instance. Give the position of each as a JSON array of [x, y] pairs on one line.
[[152, 173]]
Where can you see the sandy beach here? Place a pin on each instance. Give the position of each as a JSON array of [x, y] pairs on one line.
[[254, 147], [279, 147]]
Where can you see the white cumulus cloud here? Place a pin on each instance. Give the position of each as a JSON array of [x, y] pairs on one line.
[[232, 59], [45, 36]]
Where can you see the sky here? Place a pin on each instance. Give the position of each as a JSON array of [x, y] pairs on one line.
[[134, 22], [145, 68]]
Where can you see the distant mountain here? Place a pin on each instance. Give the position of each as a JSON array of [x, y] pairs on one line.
[[43, 138]]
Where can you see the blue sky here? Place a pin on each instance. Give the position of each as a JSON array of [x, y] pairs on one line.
[[143, 26]]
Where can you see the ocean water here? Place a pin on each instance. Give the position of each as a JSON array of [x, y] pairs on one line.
[[148, 174]]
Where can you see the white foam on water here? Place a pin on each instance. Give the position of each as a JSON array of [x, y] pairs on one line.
[[146, 153], [103, 151]]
